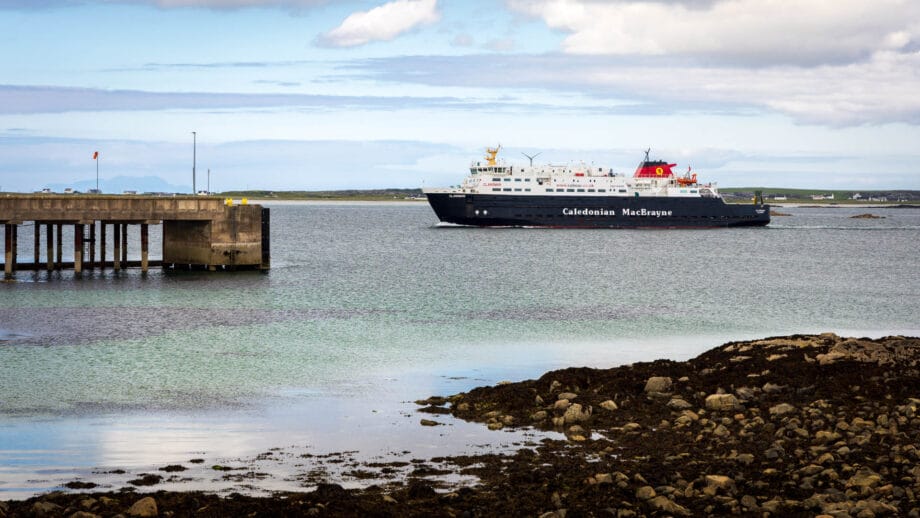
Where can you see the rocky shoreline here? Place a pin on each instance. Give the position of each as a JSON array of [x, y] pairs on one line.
[[799, 425]]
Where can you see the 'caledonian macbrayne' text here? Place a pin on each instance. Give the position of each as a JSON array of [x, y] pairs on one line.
[[624, 212]]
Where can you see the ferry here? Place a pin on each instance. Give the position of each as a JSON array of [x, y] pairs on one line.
[[497, 194]]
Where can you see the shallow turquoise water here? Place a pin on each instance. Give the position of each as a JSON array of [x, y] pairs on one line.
[[376, 302]]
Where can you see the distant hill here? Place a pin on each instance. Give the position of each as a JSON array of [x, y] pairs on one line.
[[350, 194]]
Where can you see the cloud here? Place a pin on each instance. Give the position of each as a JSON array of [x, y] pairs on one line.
[[382, 23], [165, 4], [18, 99], [879, 90], [739, 31]]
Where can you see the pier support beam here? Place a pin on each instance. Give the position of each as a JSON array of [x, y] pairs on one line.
[[92, 245], [124, 244], [102, 244], [36, 245], [60, 246], [78, 248], [8, 250], [49, 240], [144, 247], [15, 244], [116, 238]]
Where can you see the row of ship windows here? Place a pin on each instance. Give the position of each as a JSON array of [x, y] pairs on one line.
[[528, 179], [508, 189]]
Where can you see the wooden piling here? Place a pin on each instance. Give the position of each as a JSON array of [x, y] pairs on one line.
[[78, 248], [124, 243], [144, 247], [60, 246], [15, 245], [102, 244], [8, 250], [36, 247], [116, 243], [92, 245], [49, 239]]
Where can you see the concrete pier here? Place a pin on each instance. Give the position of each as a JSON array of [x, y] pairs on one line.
[[198, 232]]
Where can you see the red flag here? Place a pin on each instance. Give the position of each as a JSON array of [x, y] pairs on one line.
[[95, 155]]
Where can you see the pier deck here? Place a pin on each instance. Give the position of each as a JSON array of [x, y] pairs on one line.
[[198, 231]]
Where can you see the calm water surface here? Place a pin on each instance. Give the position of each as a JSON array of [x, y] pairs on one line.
[[370, 306]]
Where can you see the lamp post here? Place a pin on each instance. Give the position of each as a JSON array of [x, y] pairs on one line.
[[194, 148]]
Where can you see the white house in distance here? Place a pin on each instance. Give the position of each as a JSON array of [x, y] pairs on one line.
[[817, 197]]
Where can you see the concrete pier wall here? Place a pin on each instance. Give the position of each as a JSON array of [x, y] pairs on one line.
[[232, 240]]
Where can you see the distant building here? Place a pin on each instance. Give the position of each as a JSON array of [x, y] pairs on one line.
[[68, 191], [817, 197], [856, 196], [780, 197], [130, 192]]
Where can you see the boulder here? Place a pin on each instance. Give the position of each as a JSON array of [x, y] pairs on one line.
[[781, 409], [609, 405], [42, 508], [719, 484], [645, 493], [575, 414], [722, 402], [677, 403], [864, 480], [143, 508], [561, 404], [604, 478], [658, 384], [665, 505]]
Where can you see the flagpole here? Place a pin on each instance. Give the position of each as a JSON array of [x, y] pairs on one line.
[[97, 173]]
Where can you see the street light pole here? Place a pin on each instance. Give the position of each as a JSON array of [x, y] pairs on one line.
[[209, 180], [194, 148]]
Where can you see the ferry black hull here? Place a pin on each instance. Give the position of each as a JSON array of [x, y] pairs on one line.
[[484, 210]]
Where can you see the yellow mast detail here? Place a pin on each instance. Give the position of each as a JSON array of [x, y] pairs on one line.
[[490, 154]]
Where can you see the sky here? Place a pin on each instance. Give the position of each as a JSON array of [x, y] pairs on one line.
[[323, 94]]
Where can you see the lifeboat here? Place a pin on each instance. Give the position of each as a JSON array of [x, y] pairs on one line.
[[687, 179]]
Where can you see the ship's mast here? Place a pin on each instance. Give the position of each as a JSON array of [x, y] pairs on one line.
[[531, 157]]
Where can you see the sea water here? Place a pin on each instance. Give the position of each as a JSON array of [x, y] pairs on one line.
[[369, 306]]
